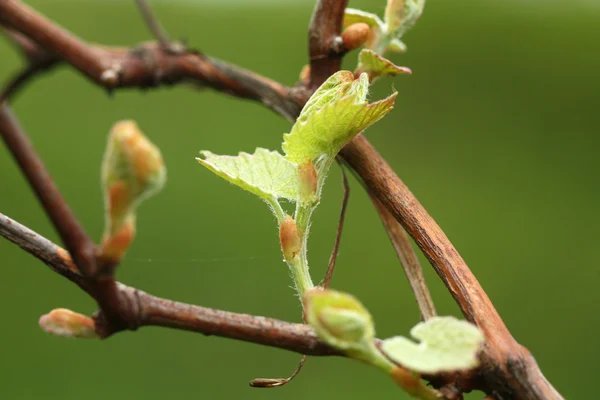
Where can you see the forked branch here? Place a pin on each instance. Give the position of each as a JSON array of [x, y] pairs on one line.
[[508, 370]]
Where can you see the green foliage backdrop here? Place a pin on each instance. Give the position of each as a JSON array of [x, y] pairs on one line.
[[496, 133]]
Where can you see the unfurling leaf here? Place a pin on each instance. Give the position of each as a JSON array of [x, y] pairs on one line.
[[376, 66], [447, 344], [132, 170], [401, 15], [339, 319], [66, 323], [333, 116], [354, 16], [265, 173]]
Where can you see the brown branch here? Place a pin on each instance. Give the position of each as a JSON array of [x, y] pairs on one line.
[[71, 232], [325, 46], [27, 47], [147, 65], [154, 311], [408, 259], [508, 369]]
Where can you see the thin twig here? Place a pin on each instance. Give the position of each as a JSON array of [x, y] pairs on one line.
[[153, 24], [148, 65], [154, 311], [71, 232], [17, 82], [340, 228], [37, 61], [408, 259], [278, 382]]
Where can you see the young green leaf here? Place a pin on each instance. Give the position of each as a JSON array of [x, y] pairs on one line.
[[265, 173], [447, 344], [376, 66], [335, 114], [354, 16], [401, 15]]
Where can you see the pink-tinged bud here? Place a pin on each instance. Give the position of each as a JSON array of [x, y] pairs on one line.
[[132, 170], [305, 73], [307, 182], [355, 35], [66, 323], [290, 240], [114, 246]]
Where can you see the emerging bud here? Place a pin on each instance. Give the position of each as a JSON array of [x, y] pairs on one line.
[[305, 73], [307, 182], [290, 240], [339, 319], [66, 323], [355, 35], [114, 246], [132, 170]]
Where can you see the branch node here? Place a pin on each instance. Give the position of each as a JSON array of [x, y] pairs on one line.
[[337, 47], [110, 76]]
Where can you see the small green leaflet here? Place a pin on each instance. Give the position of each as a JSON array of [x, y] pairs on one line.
[[354, 16], [265, 173], [400, 16], [338, 112], [447, 344], [376, 66]]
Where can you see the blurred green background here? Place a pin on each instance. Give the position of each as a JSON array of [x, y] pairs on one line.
[[496, 133]]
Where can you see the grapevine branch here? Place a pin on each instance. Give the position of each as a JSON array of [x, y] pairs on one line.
[[507, 369], [154, 311]]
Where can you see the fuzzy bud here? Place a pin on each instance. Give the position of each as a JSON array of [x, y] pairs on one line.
[[307, 182], [339, 319], [355, 35], [132, 170], [66, 323], [289, 237], [305, 73], [114, 246]]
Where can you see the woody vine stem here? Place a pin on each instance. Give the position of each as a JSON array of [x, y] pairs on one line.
[[505, 368]]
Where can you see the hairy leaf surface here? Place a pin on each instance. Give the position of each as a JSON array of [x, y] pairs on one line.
[[265, 173], [446, 344]]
